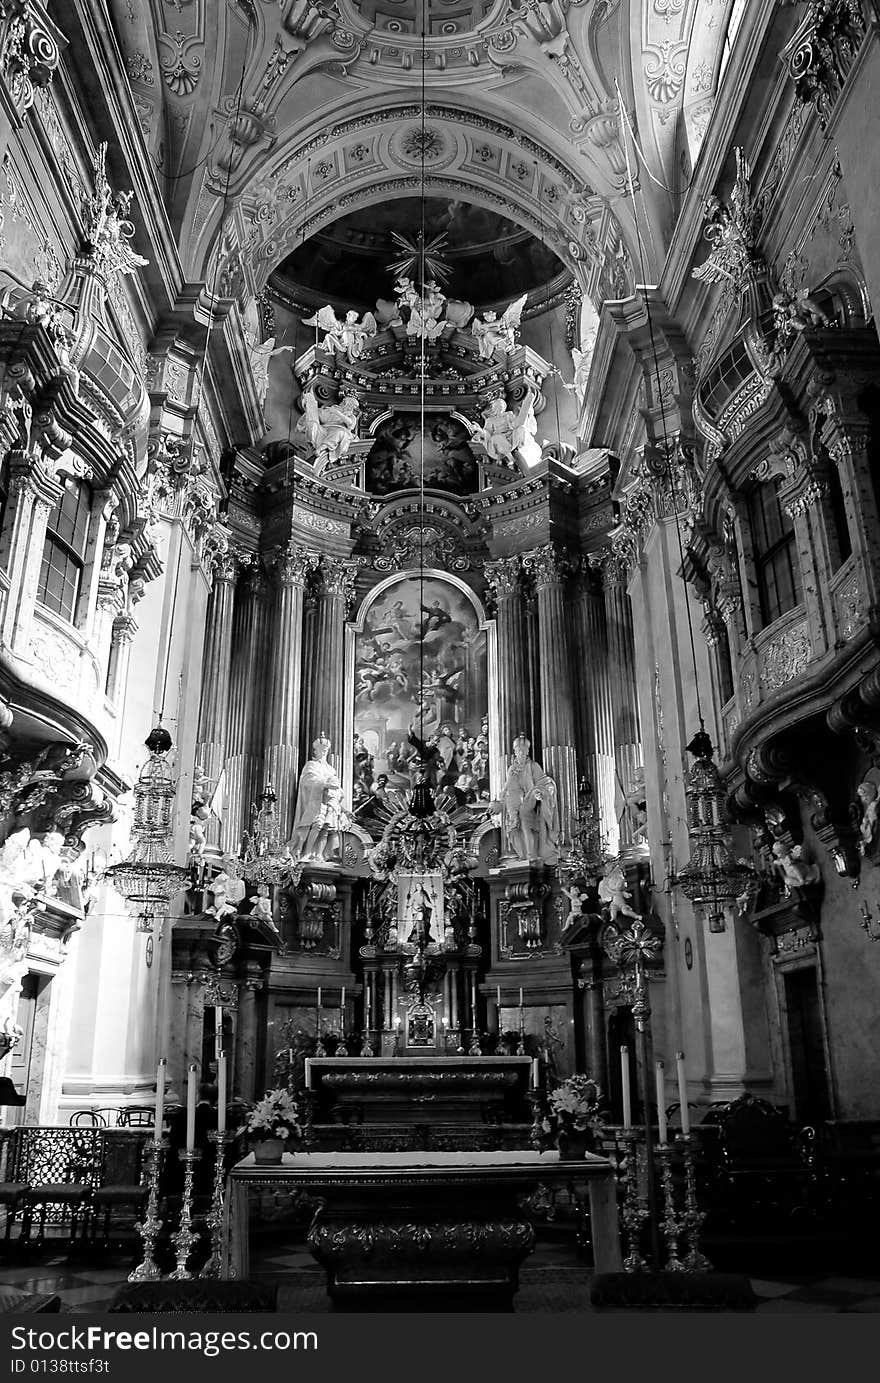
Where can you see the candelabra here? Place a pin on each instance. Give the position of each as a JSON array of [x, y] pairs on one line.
[[635, 1209], [308, 1102], [320, 1049], [184, 1239], [521, 1045], [692, 1219], [214, 1265], [367, 1044], [341, 1048], [536, 1132], [475, 1049], [151, 1226], [670, 1225]]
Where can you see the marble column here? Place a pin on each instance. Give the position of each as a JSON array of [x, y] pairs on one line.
[[511, 704], [557, 702], [596, 707], [244, 1072], [285, 672], [246, 701], [214, 710], [624, 697], [327, 711], [595, 1039], [33, 494]]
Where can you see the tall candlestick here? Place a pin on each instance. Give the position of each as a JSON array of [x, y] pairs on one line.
[[498, 996], [191, 1108], [221, 1096], [160, 1101], [319, 996], [342, 1001], [661, 1101], [473, 1000], [624, 1074], [682, 1093], [520, 998], [218, 1029]]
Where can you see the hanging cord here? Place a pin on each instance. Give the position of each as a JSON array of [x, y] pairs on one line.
[[666, 455], [673, 192], [170, 636], [554, 369], [422, 369]]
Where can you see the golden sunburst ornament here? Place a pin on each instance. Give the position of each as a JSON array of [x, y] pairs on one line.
[[419, 254]]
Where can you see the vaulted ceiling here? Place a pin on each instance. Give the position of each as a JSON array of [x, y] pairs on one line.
[[274, 118]]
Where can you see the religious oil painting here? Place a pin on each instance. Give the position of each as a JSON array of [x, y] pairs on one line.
[[420, 685], [396, 460]]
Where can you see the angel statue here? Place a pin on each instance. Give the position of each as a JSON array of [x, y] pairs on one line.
[[614, 892], [331, 427], [576, 897], [503, 433], [496, 333], [348, 336], [424, 318]]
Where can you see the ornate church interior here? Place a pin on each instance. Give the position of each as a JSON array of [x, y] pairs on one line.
[[439, 653]]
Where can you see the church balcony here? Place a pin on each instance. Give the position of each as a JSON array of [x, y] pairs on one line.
[[55, 682]]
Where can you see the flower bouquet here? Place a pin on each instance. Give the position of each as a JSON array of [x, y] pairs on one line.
[[573, 1115], [272, 1124]]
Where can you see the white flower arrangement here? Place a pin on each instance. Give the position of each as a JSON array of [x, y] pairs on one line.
[[276, 1115]]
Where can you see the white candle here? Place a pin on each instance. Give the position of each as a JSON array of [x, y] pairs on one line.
[[218, 1029], [342, 1001], [624, 1072], [221, 1094], [498, 996], [367, 1004], [191, 1108], [520, 998], [661, 1101], [682, 1093], [535, 1073], [290, 1056], [308, 1065], [160, 1101], [319, 996]]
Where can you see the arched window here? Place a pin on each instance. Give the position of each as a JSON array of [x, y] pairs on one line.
[[64, 552], [776, 568]]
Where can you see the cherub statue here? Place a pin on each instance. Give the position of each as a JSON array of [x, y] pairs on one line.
[[794, 313], [347, 336], [331, 427], [576, 897], [200, 815], [793, 869], [613, 891], [458, 313], [262, 912], [221, 904], [424, 318], [868, 807], [495, 334], [504, 433]]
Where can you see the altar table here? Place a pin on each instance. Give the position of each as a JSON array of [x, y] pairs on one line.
[[423, 1226]]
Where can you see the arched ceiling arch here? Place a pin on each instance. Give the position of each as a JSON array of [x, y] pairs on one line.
[[251, 87]]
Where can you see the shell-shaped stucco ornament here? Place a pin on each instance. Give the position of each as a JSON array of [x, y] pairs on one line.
[[665, 69]]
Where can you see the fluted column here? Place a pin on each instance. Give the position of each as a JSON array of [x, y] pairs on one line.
[[557, 702], [326, 711], [211, 752], [511, 701], [622, 675], [246, 704], [596, 709], [244, 1073], [32, 496]]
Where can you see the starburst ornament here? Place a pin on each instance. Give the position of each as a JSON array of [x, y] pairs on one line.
[[425, 261]]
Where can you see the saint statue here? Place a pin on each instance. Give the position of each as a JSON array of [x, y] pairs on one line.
[[319, 816], [531, 817]]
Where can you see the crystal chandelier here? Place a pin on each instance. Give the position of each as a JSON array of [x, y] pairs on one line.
[[589, 852], [149, 878], [713, 879], [265, 858]]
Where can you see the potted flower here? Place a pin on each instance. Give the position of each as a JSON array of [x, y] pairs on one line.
[[272, 1124], [573, 1115]]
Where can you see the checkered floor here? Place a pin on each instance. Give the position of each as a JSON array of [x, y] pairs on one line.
[[551, 1282]]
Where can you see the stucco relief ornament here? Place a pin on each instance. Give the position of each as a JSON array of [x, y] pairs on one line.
[[731, 231], [29, 53], [108, 229], [823, 50]]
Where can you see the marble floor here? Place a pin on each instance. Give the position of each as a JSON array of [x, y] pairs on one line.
[[552, 1281]]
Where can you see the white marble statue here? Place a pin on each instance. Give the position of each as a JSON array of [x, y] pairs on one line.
[[458, 313], [494, 333], [348, 336], [869, 809], [504, 433], [613, 891], [425, 310], [221, 904], [531, 816], [793, 869], [576, 898], [262, 912], [331, 427], [318, 815]]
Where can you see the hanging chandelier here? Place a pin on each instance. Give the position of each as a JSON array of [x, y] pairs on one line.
[[149, 878], [265, 858], [589, 852], [713, 879]]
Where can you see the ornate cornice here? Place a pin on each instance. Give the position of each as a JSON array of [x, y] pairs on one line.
[[30, 50], [823, 50]]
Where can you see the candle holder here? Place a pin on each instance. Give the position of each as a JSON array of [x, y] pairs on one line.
[[184, 1239], [367, 1045], [635, 1210], [537, 1137], [475, 1049], [214, 1265], [521, 1045], [308, 1103], [150, 1227], [693, 1217], [320, 1049], [341, 1048], [670, 1225]]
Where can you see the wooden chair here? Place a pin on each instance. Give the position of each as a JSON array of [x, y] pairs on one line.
[[767, 1167], [136, 1116], [88, 1118], [122, 1186]]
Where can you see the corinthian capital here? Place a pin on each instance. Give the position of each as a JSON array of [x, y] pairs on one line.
[[338, 577], [547, 564], [502, 576], [295, 563]]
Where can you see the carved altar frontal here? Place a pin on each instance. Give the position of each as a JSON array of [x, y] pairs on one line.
[[430, 1090]]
